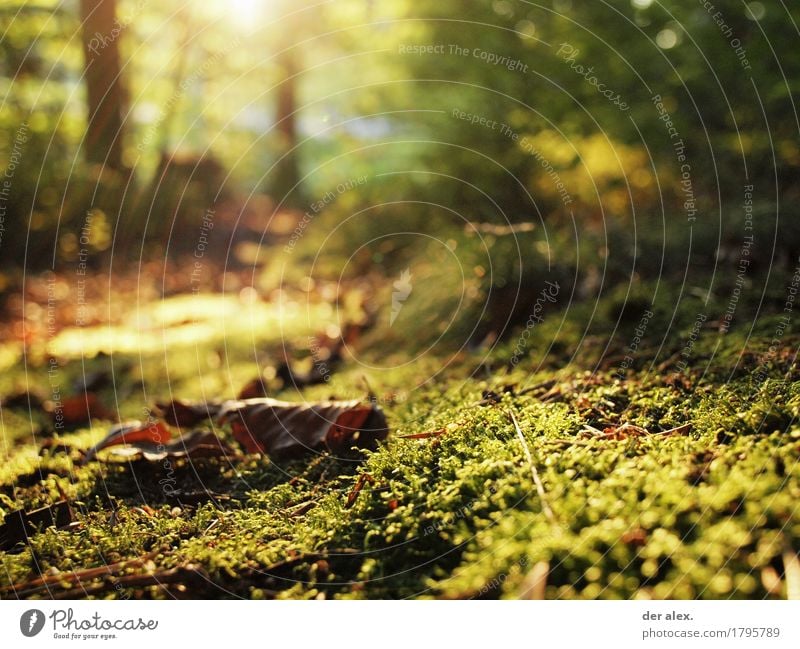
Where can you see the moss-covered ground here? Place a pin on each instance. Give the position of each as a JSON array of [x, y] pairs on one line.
[[696, 497]]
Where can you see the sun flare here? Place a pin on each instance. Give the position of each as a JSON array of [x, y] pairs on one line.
[[245, 12]]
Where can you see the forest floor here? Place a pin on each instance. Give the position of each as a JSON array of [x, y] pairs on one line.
[[665, 467]]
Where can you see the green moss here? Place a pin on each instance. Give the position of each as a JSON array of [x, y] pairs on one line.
[[700, 514]]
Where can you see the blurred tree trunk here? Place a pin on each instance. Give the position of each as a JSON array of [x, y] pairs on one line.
[[105, 94], [285, 178]]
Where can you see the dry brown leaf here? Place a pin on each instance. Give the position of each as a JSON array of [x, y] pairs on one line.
[[253, 389], [77, 411], [17, 525], [283, 429], [624, 431], [636, 537], [197, 444], [132, 432], [184, 414]]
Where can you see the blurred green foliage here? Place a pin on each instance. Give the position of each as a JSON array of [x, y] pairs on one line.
[[491, 112]]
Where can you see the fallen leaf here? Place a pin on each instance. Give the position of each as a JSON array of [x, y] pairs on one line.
[[624, 431], [184, 414], [131, 432], [552, 393], [299, 380], [636, 537], [678, 380], [196, 444], [78, 410], [283, 429], [253, 389], [17, 525]]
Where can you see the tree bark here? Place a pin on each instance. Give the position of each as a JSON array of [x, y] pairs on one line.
[[284, 184], [105, 93], [286, 174]]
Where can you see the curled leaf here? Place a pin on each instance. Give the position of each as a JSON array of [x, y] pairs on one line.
[[132, 432], [284, 429], [184, 414], [196, 444]]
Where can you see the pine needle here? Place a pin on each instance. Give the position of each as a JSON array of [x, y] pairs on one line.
[[536, 479]]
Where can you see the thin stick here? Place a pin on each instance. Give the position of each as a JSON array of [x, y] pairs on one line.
[[534, 586], [536, 479], [162, 578], [76, 577], [570, 442], [791, 568]]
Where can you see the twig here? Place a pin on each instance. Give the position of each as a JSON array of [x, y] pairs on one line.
[[170, 576], [677, 430], [44, 583], [425, 435], [544, 385], [665, 364], [499, 230], [494, 398], [363, 479], [214, 523], [791, 568], [303, 509], [569, 442], [534, 586], [596, 432], [536, 479], [771, 581]]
